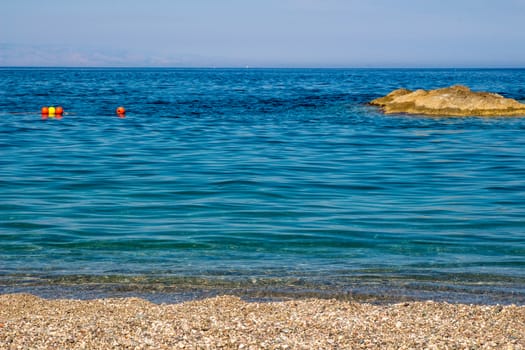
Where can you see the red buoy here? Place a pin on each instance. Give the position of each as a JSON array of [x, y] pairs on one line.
[[59, 110], [121, 110], [44, 111]]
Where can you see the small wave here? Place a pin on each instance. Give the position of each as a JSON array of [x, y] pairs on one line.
[[160, 102]]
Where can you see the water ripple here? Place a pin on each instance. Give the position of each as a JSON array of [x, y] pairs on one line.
[[248, 173]]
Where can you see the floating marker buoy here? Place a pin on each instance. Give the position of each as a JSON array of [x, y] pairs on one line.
[[121, 110], [52, 111]]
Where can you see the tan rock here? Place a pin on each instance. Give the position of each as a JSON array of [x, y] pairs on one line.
[[456, 100]]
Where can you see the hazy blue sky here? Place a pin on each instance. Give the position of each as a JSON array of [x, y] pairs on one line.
[[271, 33]]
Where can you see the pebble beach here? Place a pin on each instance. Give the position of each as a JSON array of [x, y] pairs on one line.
[[227, 322]]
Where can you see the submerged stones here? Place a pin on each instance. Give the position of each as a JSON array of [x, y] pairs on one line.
[[456, 100]]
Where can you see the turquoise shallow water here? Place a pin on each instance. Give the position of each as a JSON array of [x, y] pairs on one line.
[[258, 181]]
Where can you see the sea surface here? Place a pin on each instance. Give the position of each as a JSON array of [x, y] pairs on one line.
[[264, 183]]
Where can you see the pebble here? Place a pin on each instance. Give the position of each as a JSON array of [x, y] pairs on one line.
[[227, 322]]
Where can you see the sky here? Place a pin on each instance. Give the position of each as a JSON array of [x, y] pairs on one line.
[[263, 33]]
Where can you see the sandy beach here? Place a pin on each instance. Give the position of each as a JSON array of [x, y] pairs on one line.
[[226, 322]]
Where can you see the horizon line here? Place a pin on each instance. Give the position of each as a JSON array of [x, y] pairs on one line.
[[257, 67]]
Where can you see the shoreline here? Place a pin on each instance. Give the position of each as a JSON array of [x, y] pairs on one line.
[[376, 290], [231, 323]]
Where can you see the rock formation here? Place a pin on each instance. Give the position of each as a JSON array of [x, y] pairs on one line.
[[456, 100]]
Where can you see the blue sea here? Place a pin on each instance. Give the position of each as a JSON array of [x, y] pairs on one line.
[[264, 183]]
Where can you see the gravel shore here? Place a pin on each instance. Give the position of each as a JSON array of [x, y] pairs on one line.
[[226, 322]]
